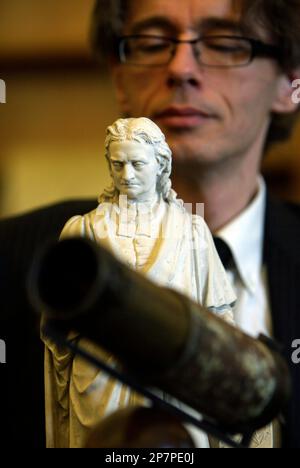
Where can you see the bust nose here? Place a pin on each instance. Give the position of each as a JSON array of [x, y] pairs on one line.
[[128, 173]]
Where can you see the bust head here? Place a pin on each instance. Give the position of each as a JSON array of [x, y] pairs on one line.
[[139, 160]]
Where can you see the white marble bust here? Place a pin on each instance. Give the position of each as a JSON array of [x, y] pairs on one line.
[[141, 221]]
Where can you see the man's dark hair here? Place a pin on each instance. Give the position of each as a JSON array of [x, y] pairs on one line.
[[280, 18]]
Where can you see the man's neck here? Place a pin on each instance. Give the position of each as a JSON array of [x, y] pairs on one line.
[[224, 191]]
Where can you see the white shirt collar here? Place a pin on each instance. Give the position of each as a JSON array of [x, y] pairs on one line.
[[245, 235]]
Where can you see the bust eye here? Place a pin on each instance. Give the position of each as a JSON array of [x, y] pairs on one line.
[[138, 164], [117, 165]]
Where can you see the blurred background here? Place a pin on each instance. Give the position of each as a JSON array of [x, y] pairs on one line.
[[59, 103]]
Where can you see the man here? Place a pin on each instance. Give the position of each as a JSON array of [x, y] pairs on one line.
[[219, 84], [219, 101]]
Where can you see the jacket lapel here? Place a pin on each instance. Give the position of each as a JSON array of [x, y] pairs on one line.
[[282, 258]]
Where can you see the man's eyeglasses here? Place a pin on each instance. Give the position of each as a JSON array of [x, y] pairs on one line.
[[210, 51]]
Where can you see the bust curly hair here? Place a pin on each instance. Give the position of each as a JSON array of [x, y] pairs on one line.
[[142, 130]]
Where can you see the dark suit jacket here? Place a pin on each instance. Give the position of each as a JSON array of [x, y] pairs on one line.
[[282, 257], [22, 379]]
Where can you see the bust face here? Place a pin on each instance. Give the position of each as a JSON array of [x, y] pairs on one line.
[[134, 169]]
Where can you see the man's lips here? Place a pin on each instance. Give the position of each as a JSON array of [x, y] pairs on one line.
[[182, 117]]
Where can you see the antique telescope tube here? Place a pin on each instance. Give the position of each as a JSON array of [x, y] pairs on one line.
[[160, 336]]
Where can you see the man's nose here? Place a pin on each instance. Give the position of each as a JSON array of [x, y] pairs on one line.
[[184, 67], [128, 172]]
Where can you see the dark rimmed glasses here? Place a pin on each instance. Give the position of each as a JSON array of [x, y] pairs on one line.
[[210, 51]]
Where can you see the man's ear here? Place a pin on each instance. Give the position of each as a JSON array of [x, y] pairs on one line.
[[117, 74], [287, 92]]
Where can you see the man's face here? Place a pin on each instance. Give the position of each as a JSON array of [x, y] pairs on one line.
[[207, 114], [134, 169]]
